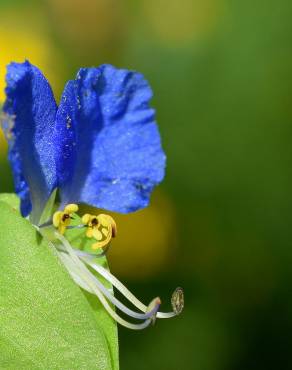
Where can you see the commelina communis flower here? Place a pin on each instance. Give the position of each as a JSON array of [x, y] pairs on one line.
[[100, 147]]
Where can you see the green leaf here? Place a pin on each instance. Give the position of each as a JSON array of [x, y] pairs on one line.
[[10, 199], [45, 320]]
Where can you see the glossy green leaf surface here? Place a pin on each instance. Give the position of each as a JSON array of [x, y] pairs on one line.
[[46, 322]]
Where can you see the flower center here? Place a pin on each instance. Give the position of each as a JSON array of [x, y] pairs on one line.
[[102, 228]]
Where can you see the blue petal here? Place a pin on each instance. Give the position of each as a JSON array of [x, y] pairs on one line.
[[30, 111], [113, 157]]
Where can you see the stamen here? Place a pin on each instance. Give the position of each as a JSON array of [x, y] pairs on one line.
[[123, 308], [117, 303], [62, 219], [122, 289], [89, 280], [68, 263], [177, 300], [102, 228]]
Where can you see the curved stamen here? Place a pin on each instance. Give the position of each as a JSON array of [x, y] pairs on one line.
[[71, 268], [122, 307], [116, 283], [121, 287], [177, 299], [102, 228], [87, 278]]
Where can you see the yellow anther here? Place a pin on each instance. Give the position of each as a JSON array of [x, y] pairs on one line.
[[71, 208], [102, 228], [62, 219]]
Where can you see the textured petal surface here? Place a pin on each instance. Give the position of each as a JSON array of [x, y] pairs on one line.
[[30, 111], [112, 156]]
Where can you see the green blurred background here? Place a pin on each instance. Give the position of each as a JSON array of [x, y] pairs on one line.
[[220, 225]]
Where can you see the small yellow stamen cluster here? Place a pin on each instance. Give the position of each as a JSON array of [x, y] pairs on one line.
[[102, 228], [62, 219]]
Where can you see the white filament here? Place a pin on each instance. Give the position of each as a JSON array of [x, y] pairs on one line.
[[88, 281]]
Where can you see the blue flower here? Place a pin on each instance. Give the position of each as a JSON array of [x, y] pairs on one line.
[[100, 146]]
